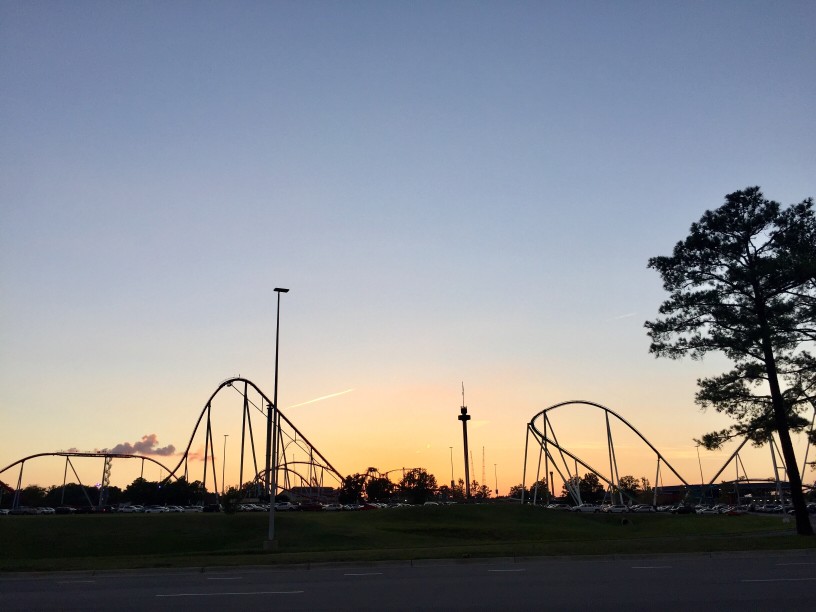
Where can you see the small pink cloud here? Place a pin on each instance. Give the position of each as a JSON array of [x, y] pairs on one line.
[[148, 445]]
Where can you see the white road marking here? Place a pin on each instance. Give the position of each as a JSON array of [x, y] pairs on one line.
[[365, 574], [651, 567], [777, 579], [801, 563], [507, 570], [226, 578], [237, 593]]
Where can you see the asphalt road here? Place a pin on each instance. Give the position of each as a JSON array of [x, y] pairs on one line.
[[724, 581]]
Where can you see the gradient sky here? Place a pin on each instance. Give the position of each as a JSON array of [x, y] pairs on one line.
[[453, 192]]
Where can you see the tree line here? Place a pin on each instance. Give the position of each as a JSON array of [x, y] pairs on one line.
[[140, 491]]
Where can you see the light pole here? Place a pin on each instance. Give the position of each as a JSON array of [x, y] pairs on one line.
[[496, 474], [451, 450], [272, 443], [224, 463]]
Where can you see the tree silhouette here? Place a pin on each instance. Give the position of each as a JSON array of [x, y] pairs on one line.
[[418, 486], [351, 489], [743, 283]]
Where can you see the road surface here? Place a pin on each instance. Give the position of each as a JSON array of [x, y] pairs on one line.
[[720, 581]]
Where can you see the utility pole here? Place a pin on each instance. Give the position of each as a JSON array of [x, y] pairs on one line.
[[464, 417]]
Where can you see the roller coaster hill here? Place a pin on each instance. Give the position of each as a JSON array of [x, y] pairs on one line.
[[543, 451], [300, 472]]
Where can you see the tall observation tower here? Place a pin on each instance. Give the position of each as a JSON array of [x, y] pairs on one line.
[[465, 417]]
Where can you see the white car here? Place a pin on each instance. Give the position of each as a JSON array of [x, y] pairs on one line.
[[587, 508], [155, 509]]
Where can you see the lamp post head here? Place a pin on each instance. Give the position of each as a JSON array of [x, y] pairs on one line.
[[281, 290]]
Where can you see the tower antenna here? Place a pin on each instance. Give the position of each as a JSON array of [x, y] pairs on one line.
[[465, 417]]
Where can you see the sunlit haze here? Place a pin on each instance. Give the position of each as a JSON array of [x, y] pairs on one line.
[[453, 192]]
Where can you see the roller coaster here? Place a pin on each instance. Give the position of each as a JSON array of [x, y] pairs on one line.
[[542, 433], [297, 467]]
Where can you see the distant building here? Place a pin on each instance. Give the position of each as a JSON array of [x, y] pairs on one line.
[[323, 495]]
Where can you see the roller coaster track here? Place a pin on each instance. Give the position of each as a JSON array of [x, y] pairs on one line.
[[308, 478], [316, 468], [540, 429]]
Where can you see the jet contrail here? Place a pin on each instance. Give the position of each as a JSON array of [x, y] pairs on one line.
[[317, 399], [624, 316]]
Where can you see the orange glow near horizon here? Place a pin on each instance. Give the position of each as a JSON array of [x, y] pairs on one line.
[[426, 437]]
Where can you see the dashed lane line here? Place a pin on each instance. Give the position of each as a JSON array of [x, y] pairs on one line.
[[777, 579], [230, 593]]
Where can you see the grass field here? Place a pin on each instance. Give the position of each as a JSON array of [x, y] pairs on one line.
[[42, 543]]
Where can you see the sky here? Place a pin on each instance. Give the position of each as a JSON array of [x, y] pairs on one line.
[[454, 193]]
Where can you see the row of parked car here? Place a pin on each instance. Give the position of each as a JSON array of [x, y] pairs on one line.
[[680, 508], [610, 508], [124, 509], [160, 509], [316, 506]]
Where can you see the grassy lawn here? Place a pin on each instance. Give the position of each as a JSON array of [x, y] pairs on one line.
[[29, 543]]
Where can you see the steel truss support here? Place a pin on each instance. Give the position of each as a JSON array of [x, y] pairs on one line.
[[547, 439]]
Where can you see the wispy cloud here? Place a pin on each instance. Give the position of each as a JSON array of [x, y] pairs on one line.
[[321, 398], [148, 445], [196, 455]]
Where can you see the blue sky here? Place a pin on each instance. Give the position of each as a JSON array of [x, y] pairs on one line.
[[453, 191]]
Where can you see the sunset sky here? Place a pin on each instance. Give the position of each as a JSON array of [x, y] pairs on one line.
[[454, 192]]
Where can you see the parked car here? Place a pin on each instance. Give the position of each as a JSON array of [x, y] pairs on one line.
[[587, 508], [155, 509], [311, 506], [285, 507], [616, 509]]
